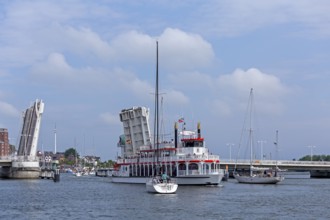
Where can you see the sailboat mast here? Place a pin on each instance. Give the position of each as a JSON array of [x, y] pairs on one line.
[[251, 141], [276, 147], [156, 120]]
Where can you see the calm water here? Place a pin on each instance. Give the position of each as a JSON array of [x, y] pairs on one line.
[[97, 198]]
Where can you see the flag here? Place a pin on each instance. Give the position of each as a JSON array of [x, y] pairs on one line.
[[181, 120]]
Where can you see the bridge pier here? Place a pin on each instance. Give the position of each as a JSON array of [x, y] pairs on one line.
[[21, 170]]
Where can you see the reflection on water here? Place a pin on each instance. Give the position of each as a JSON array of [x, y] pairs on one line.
[[90, 197]]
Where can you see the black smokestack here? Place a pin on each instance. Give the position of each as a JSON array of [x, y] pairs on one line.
[[176, 135], [199, 130]]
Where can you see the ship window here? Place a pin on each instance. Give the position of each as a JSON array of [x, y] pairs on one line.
[[193, 166], [182, 166]]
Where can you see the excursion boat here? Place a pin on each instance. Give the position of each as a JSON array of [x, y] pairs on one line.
[[185, 159]]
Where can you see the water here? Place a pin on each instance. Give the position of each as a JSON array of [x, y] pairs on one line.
[[90, 197]]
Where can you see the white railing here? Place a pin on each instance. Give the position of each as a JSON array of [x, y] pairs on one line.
[[196, 172], [169, 158], [6, 158], [25, 158], [279, 162]]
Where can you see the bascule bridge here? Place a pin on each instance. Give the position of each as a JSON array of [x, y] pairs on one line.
[[25, 164]]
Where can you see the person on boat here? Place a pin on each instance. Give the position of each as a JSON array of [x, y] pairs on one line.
[[164, 177]]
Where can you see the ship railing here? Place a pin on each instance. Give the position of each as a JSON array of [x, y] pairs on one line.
[[196, 157], [148, 159], [196, 172], [168, 158]]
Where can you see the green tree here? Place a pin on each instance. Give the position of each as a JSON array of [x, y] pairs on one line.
[[106, 164], [71, 152], [316, 158]]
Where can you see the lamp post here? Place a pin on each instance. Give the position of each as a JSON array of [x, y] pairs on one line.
[[261, 149], [55, 139], [230, 145], [311, 147]]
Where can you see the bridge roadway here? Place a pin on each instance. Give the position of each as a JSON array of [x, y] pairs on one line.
[[6, 161], [289, 165]]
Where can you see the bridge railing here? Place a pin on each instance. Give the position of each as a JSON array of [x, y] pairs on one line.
[[6, 158], [25, 158], [278, 162]]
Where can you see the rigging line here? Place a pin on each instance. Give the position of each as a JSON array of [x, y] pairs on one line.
[[243, 128]]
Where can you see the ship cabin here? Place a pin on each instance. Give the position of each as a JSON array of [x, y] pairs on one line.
[[192, 142]]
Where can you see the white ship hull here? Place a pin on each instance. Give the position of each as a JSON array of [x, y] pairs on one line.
[[210, 179]]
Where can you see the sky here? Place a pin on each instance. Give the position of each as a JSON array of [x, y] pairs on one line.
[[88, 60]]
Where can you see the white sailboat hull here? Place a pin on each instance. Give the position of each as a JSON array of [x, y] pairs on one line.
[[154, 186], [77, 174], [258, 179]]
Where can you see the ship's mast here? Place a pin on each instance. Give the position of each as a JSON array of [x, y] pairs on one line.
[[250, 131], [156, 138]]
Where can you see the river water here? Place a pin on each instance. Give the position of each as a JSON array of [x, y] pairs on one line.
[[90, 197]]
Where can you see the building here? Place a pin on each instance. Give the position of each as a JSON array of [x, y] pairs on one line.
[[4, 143]]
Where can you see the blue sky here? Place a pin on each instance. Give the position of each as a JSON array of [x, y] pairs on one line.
[[87, 60]]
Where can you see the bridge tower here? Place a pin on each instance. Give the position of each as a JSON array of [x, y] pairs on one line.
[[26, 164]]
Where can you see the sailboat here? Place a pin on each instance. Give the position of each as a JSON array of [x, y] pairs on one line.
[[159, 184], [77, 171], [257, 175]]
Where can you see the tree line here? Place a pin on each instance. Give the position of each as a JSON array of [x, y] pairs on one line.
[[71, 155], [322, 157]]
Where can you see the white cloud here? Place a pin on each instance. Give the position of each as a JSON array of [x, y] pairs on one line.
[[176, 98], [177, 49], [268, 89], [240, 80], [55, 67], [134, 46], [86, 43], [8, 109], [185, 50]]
